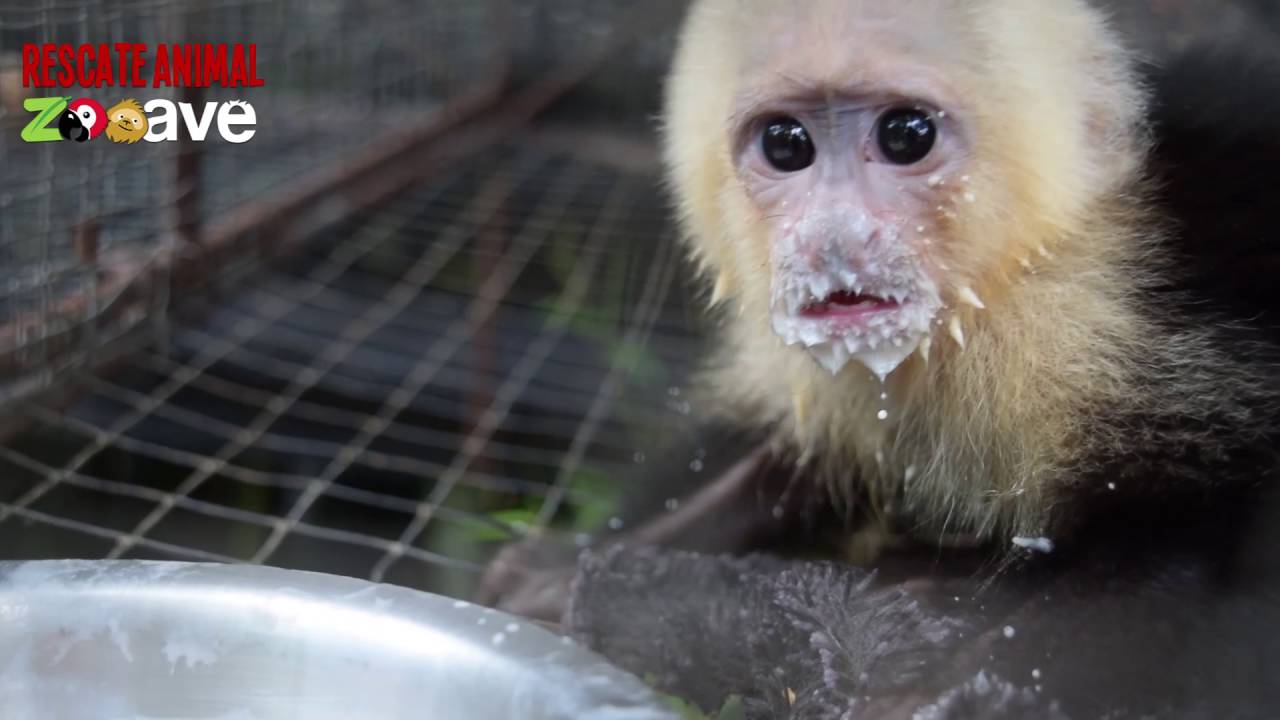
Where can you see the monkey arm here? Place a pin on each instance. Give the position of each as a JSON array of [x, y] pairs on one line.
[[1142, 622]]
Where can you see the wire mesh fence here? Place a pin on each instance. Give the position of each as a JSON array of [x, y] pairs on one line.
[[411, 384], [80, 225], [421, 384]]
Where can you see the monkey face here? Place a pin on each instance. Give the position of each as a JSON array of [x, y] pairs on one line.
[[860, 174], [846, 160], [849, 190], [852, 190], [126, 122]]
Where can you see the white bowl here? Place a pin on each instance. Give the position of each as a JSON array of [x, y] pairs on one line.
[[162, 641]]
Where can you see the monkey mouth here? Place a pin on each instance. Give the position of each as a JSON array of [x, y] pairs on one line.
[[843, 317], [849, 304]]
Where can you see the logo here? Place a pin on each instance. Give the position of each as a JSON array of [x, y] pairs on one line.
[[83, 119], [128, 121]]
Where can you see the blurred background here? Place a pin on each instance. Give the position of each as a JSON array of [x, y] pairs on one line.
[[433, 305]]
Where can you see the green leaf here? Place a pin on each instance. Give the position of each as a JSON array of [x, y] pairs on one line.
[[596, 497], [483, 532], [588, 483], [517, 519], [733, 709], [686, 710]]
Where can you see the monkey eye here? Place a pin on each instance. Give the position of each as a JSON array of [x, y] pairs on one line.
[[906, 135], [787, 145]]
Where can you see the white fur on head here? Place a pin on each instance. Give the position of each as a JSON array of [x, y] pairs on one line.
[[1035, 323]]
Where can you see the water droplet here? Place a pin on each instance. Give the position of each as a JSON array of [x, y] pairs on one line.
[[696, 465], [778, 512], [883, 414], [1041, 544], [1009, 632], [499, 638], [462, 604], [1035, 673], [512, 628], [1111, 486]]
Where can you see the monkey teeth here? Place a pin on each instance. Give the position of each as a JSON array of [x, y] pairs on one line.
[[880, 339]]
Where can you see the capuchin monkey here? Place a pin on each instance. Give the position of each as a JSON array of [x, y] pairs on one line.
[[996, 294], [930, 225]]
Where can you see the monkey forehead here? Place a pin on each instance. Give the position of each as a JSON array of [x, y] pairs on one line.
[[918, 48]]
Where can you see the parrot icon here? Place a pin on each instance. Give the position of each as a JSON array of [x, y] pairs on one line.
[[83, 120]]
